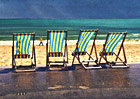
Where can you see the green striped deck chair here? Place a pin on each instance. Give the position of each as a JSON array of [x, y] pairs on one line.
[[111, 42], [23, 41], [81, 46], [54, 46]]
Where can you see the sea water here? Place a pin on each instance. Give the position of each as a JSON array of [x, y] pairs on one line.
[[40, 27]]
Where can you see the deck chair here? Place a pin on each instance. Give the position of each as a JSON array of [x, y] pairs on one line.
[[54, 46], [81, 45], [23, 41], [111, 42]]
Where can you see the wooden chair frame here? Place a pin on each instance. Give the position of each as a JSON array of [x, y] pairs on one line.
[[65, 56], [33, 56], [89, 54], [117, 55]]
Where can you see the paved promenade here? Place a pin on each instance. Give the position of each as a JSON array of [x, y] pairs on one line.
[[76, 83]]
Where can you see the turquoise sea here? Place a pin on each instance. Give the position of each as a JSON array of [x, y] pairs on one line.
[[40, 26]]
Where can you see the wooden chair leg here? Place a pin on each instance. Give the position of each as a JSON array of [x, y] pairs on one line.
[[100, 59], [73, 60], [13, 66], [124, 54], [105, 58], [88, 62], [124, 62], [47, 64], [117, 57]]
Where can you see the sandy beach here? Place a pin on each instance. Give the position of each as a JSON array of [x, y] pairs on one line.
[[132, 49]]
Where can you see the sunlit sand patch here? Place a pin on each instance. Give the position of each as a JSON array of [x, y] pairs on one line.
[[56, 87], [23, 62], [132, 53], [83, 87]]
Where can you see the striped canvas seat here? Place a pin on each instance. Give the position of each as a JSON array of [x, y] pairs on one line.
[[55, 54], [79, 53], [112, 41], [22, 45], [22, 56], [83, 42], [56, 43]]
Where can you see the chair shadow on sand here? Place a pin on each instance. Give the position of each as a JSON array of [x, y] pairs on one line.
[[75, 67], [55, 68], [43, 69], [4, 71]]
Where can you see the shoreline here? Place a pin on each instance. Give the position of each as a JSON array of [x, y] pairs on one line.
[[73, 42]]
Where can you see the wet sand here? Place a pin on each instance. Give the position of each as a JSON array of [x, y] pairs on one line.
[[72, 84]]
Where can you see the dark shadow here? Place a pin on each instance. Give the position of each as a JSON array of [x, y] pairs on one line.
[[69, 68], [104, 66], [75, 67], [7, 70], [79, 66], [39, 69]]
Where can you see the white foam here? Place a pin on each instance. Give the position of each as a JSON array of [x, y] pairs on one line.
[[70, 42]]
